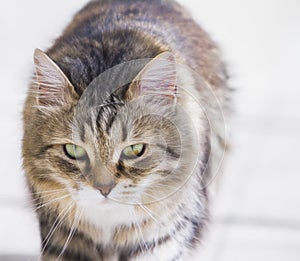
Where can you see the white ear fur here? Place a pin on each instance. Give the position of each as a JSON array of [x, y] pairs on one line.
[[54, 88], [158, 77]]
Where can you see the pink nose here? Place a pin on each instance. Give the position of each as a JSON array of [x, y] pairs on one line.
[[105, 189]]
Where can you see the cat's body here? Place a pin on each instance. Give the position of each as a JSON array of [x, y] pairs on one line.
[[155, 212]]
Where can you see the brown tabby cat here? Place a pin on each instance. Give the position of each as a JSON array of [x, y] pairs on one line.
[[122, 133]]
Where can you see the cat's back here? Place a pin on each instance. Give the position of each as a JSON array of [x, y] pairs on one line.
[[130, 13], [109, 32]]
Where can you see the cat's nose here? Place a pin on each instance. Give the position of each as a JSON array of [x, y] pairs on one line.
[[105, 189]]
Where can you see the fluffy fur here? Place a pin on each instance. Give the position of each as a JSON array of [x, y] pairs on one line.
[[123, 73]]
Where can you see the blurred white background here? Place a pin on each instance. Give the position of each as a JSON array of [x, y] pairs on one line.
[[256, 213]]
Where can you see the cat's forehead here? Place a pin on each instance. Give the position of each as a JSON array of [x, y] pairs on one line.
[[103, 122], [113, 123]]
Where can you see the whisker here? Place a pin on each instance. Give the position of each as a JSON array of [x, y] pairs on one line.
[[51, 201], [149, 212], [149, 195], [157, 185], [56, 224], [140, 230], [60, 217], [46, 191], [71, 234], [29, 195], [136, 232], [35, 201]]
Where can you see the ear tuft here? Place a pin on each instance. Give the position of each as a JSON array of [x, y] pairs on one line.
[[54, 88], [158, 77]]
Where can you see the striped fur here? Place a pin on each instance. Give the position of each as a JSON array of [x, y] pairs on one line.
[[158, 208]]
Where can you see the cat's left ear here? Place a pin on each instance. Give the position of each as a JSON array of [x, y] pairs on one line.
[[157, 78], [54, 88]]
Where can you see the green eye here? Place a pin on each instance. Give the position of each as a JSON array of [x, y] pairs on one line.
[[74, 152], [134, 151]]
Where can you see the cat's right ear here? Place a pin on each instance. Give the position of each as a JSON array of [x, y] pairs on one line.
[[54, 88]]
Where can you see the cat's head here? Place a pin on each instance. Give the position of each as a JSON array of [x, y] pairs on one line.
[[133, 145]]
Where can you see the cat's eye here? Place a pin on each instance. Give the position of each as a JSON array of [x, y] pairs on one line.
[[75, 152], [134, 151]]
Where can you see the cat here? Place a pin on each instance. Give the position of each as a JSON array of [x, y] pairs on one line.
[[123, 131]]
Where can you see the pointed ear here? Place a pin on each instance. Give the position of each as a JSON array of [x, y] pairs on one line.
[[54, 88], [157, 78]]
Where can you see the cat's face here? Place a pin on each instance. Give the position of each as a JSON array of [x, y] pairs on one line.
[[125, 151]]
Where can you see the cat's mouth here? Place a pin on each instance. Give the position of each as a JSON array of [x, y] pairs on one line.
[[89, 197], [106, 202]]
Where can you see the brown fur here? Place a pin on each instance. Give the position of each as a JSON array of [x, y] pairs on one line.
[[60, 109]]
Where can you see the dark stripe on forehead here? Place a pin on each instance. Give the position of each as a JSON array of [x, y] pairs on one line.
[[109, 121], [89, 121], [82, 133], [106, 117], [108, 111], [124, 132]]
